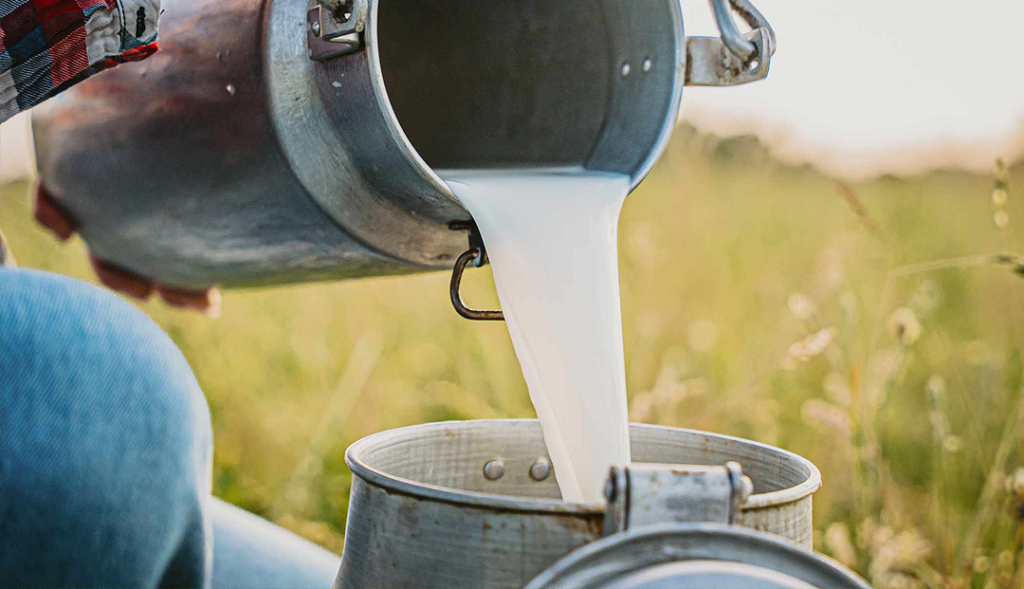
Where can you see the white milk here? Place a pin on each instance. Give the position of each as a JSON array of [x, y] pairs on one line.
[[552, 238]]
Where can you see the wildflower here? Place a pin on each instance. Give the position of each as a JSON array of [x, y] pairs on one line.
[[952, 444], [1001, 172], [837, 389], [702, 335], [837, 539], [807, 348], [980, 565], [812, 345], [1001, 219], [999, 197], [1005, 559], [825, 416], [801, 306], [904, 326], [900, 552], [668, 389], [1015, 483], [866, 534]]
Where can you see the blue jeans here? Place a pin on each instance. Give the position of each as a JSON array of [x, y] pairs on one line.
[[105, 456]]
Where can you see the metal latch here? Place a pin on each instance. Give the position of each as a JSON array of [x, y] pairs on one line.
[[734, 58], [335, 27], [651, 494]]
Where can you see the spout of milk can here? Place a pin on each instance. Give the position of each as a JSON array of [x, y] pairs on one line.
[[644, 494]]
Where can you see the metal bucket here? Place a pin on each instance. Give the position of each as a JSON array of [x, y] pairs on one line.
[[475, 503], [231, 157], [253, 150]]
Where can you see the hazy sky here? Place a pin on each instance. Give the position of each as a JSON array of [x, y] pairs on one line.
[[861, 87], [864, 86]]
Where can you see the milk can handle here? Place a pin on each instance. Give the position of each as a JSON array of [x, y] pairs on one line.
[[476, 255], [731, 35]]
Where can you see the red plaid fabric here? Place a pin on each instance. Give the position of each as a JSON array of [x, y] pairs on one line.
[[49, 45]]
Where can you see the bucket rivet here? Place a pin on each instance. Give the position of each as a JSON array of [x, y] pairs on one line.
[[626, 68], [494, 469], [609, 490], [540, 469], [648, 64], [316, 29]]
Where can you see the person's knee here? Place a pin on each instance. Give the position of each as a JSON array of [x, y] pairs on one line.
[[104, 433]]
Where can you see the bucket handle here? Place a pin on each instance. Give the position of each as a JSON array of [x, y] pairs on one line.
[[733, 39], [476, 254], [734, 57]]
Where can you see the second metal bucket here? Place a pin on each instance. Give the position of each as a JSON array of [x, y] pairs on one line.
[[475, 503]]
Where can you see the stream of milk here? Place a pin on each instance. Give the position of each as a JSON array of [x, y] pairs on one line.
[[552, 238]]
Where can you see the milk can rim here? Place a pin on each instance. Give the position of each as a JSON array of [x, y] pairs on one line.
[[430, 175], [539, 505]]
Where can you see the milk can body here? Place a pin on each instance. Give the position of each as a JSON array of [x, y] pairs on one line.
[[230, 157], [423, 512]]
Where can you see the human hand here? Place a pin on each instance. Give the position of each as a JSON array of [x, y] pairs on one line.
[[61, 223]]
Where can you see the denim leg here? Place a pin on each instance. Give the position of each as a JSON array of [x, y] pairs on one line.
[[252, 552], [105, 443], [105, 450]]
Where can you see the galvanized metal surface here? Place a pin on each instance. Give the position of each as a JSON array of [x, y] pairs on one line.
[[710, 63], [173, 168], [644, 494], [477, 255], [701, 556], [738, 44], [231, 158], [423, 514], [330, 34]]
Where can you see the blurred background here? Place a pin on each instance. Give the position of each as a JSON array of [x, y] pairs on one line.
[[830, 261]]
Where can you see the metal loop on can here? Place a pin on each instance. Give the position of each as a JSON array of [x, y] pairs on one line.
[[478, 256], [733, 39]]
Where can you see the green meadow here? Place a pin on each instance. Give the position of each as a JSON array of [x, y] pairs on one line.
[[876, 328]]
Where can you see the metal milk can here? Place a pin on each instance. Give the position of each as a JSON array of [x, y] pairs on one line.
[[476, 504], [281, 141]]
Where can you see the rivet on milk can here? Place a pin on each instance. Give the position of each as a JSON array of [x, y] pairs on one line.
[[494, 469], [540, 469]]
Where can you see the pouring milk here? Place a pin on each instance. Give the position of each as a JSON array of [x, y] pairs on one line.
[[552, 238]]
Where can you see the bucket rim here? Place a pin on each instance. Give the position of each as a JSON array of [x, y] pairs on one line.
[[360, 468], [669, 122]]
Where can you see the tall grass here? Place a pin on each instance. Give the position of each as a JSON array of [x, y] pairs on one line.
[[875, 328]]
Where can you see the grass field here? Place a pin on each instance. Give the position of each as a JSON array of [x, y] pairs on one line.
[[871, 328]]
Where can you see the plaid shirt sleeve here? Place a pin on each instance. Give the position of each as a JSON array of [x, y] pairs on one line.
[[47, 46]]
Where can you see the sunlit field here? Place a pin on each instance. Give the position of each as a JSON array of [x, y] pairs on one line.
[[876, 328]]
